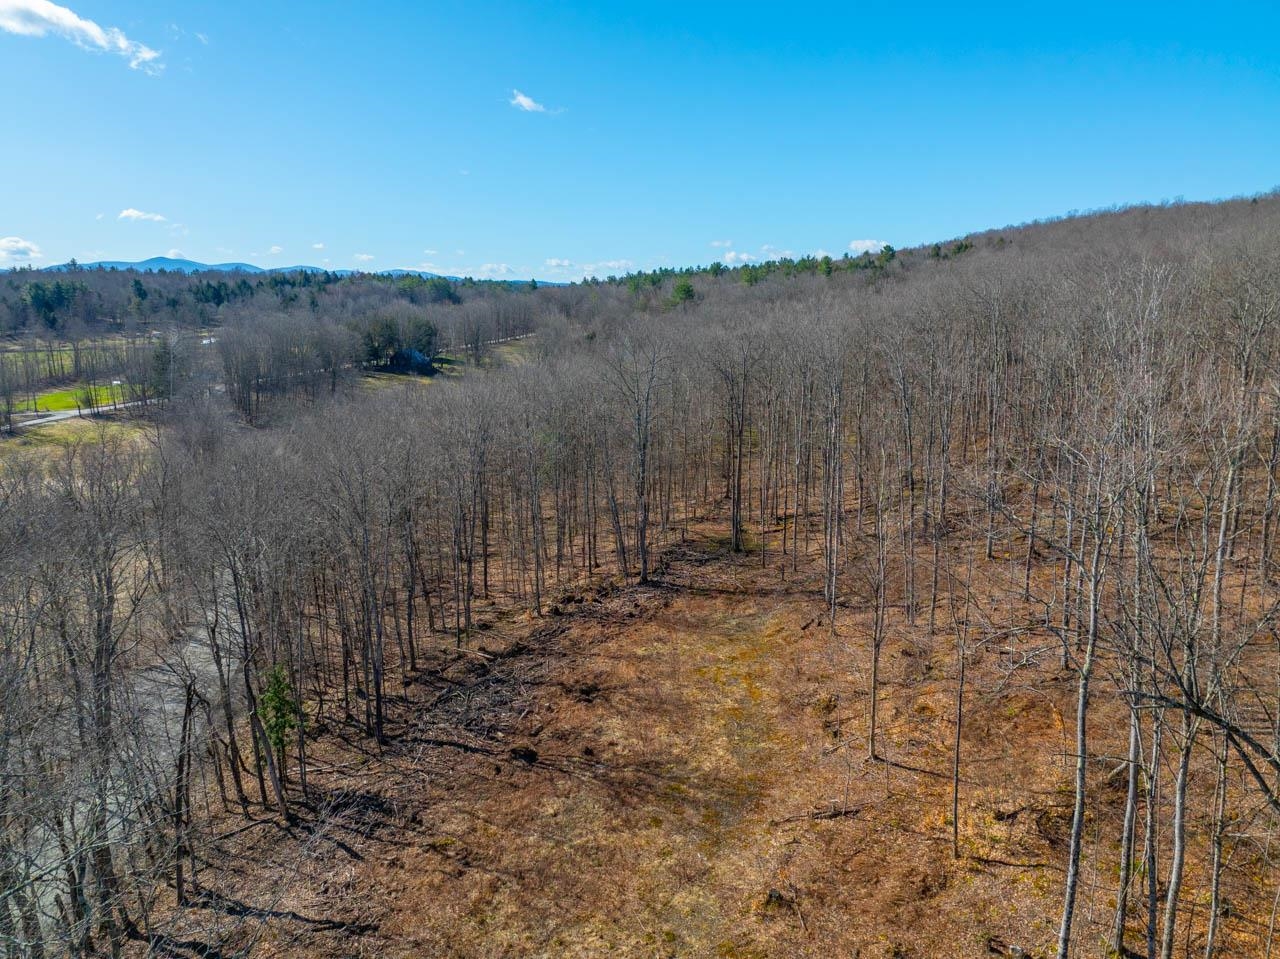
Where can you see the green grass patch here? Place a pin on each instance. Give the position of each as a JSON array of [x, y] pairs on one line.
[[72, 398]]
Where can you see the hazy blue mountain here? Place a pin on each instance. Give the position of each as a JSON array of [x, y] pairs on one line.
[[306, 269], [157, 263]]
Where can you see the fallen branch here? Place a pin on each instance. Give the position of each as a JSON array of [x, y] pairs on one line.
[[819, 814]]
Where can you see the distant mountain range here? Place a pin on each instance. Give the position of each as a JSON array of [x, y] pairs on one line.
[[172, 265]]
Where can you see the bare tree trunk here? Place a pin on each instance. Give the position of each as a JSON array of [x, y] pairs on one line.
[[1082, 753], [1127, 833], [1179, 853], [1150, 840], [1219, 830]]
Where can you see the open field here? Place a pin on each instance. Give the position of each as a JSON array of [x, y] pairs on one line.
[[453, 366], [74, 398], [65, 434]]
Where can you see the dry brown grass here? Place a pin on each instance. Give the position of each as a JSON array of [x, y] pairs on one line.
[[680, 770]]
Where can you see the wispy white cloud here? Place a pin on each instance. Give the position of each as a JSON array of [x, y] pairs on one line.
[[363, 257], [14, 249], [555, 263], [274, 250], [520, 101], [482, 271], [733, 256], [866, 246], [722, 244], [38, 18], [175, 255], [317, 246], [606, 267], [135, 215]]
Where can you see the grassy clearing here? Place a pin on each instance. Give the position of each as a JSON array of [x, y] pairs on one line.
[[58, 346], [515, 352], [509, 353], [73, 398], [384, 381], [65, 434], [452, 364]]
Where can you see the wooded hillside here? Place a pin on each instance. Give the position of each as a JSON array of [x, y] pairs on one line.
[[915, 604]]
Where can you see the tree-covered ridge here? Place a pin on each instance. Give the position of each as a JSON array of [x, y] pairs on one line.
[[77, 301], [1039, 474]]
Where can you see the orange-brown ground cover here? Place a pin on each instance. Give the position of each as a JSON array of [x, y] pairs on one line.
[[680, 769]]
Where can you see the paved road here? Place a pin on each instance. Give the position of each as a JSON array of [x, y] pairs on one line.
[[46, 418]]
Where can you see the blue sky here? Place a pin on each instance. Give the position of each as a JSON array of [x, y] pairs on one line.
[[391, 134]]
